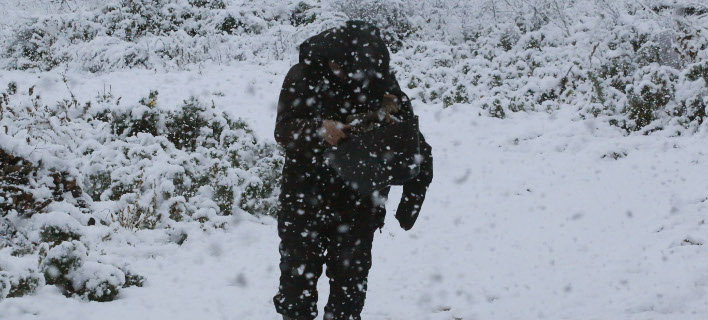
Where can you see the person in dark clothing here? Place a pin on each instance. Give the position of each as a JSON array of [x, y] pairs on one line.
[[341, 72]]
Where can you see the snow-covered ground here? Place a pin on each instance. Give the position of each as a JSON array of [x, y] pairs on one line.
[[529, 217]]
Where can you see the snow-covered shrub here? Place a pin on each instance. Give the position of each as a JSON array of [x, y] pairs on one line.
[[302, 14], [649, 95], [58, 263], [69, 267], [698, 71], [143, 118], [18, 279], [26, 188], [191, 163], [210, 154], [32, 47], [14, 286], [5, 285], [62, 258], [693, 95], [260, 193], [506, 57], [195, 125], [133, 280], [56, 234], [391, 16], [96, 281], [131, 20], [15, 193], [163, 34]]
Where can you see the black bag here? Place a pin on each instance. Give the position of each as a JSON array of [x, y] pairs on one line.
[[379, 158]]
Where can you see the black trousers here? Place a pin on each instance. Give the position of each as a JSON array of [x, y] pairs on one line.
[[338, 234]]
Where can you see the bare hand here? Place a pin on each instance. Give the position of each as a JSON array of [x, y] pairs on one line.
[[333, 131], [389, 104]]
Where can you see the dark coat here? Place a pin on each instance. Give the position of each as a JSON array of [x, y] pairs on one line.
[[312, 93]]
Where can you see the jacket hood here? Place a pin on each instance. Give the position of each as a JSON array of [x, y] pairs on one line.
[[356, 46]]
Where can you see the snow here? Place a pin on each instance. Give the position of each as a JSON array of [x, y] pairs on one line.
[[527, 218], [540, 215]]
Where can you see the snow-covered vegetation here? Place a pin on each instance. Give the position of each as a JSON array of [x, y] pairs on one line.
[[103, 149], [640, 65], [134, 167]]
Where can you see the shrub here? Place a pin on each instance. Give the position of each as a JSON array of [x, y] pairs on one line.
[[508, 39], [649, 97], [16, 174], [133, 280], [496, 110], [21, 186], [96, 184], [156, 34], [157, 165], [184, 127], [96, 281], [390, 16], [210, 4], [55, 235], [230, 25], [32, 47], [302, 15], [5, 285], [698, 71], [69, 267], [693, 109], [260, 194], [18, 284], [141, 119], [191, 148], [60, 261]]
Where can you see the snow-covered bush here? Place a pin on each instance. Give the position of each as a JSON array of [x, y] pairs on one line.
[[649, 95], [504, 57], [133, 280], [62, 258], [97, 281], [58, 262], [598, 58], [26, 188], [141, 167], [68, 266], [694, 99], [200, 162], [18, 279], [155, 165], [163, 34], [56, 234], [391, 16]]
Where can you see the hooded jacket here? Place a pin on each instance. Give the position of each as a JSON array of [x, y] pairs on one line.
[[312, 93]]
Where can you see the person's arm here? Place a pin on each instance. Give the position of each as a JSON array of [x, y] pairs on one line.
[[414, 190], [296, 124]]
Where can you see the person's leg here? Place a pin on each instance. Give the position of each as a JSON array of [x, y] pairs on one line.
[[348, 264], [302, 250]]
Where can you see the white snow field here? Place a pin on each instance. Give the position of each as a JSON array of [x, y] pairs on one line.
[[530, 217]]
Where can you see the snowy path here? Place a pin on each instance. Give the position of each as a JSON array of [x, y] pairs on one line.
[[525, 220]]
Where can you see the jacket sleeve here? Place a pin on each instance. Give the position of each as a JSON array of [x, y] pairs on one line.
[[414, 190], [297, 123]]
